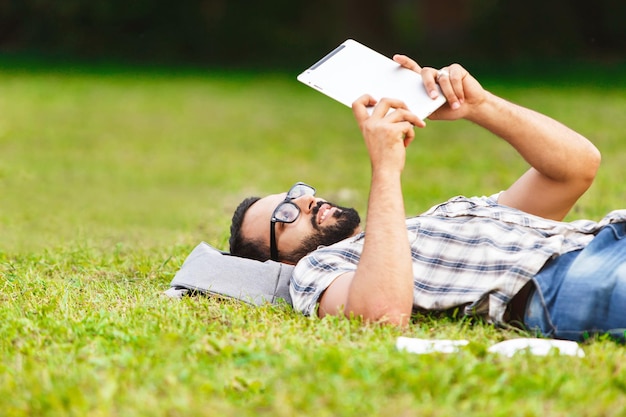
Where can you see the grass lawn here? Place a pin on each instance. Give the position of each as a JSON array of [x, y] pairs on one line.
[[109, 177]]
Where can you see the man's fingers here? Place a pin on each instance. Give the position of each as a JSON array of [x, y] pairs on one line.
[[386, 104], [391, 110], [407, 62], [404, 115], [429, 78], [443, 78], [450, 80], [457, 73], [360, 105], [409, 133]]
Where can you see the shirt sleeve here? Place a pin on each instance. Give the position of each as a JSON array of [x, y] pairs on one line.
[[317, 271]]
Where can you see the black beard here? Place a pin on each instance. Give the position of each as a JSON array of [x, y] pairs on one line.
[[348, 220]]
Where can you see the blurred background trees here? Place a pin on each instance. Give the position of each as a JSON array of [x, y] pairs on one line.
[[290, 34]]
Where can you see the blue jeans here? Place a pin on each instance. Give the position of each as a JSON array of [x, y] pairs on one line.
[[584, 292]]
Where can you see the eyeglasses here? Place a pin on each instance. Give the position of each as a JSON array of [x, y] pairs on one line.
[[287, 212]]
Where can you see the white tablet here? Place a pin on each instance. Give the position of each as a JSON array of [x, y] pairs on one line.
[[353, 69]]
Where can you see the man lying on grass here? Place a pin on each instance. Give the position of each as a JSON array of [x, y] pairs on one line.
[[507, 257]]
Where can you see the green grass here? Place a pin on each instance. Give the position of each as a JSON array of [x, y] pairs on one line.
[[108, 179]]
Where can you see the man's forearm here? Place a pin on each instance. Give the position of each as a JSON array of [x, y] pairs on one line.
[[549, 146], [382, 288]]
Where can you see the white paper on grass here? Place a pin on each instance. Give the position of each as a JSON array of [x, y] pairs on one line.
[[420, 346], [539, 347], [534, 346]]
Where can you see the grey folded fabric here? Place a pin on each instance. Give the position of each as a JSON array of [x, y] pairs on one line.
[[210, 271]]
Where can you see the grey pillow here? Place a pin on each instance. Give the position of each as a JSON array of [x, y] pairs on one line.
[[210, 271]]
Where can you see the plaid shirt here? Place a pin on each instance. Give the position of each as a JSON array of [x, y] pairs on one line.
[[467, 252]]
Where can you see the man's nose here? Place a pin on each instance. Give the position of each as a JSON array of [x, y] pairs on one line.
[[306, 203]]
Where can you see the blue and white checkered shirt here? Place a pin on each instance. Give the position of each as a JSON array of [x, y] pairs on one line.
[[467, 252]]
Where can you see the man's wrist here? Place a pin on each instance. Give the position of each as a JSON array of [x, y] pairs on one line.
[[482, 111], [388, 175]]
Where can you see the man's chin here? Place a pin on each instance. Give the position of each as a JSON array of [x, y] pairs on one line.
[[323, 238]]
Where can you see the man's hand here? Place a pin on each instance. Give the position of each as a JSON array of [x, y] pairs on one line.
[[461, 90], [387, 132]]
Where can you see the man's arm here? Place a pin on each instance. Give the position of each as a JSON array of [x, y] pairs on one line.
[[563, 162], [381, 289]]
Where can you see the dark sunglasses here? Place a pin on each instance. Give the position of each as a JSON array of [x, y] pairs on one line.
[[287, 212]]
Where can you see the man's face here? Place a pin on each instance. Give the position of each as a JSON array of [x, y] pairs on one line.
[[319, 223]]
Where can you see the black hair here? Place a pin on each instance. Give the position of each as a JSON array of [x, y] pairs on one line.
[[240, 246]]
